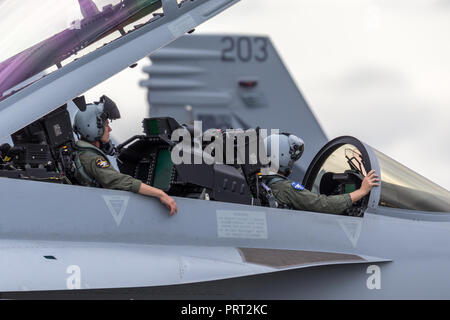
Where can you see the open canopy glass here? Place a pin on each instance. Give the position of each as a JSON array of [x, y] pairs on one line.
[[405, 189], [345, 158], [39, 34]]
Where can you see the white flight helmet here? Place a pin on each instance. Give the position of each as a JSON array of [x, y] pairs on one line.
[[290, 149], [90, 124]]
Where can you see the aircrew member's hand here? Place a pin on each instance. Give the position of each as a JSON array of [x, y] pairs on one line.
[[161, 195], [369, 182], [169, 202]]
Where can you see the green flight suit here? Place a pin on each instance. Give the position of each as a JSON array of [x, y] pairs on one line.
[[96, 170], [286, 193]]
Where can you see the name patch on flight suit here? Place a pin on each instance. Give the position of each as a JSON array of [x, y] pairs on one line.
[[297, 186], [101, 163]]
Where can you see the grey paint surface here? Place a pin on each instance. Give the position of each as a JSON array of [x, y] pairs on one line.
[[123, 240], [418, 250]]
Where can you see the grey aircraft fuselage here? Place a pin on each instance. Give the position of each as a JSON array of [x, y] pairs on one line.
[[48, 229], [55, 225]]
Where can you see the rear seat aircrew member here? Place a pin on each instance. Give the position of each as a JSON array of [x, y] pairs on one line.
[[293, 194], [92, 165]]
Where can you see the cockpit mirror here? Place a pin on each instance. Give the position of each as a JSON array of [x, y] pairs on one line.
[[355, 161]]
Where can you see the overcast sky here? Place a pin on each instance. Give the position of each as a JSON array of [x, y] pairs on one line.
[[378, 70]]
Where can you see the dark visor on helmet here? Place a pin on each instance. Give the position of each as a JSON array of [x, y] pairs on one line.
[[110, 110]]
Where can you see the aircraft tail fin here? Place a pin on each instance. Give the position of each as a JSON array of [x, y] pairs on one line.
[[231, 82]]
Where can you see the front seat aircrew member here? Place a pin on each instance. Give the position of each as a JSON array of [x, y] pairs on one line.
[[92, 165], [293, 194]]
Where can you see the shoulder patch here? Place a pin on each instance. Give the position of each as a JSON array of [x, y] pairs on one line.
[[297, 186], [100, 162]]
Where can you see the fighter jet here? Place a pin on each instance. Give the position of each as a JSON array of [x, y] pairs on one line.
[[62, 240]]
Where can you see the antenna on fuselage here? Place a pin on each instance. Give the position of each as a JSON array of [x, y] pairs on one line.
[[88, 8]]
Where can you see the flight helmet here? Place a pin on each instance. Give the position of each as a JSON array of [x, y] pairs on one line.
[[290, 149], [90, 124]]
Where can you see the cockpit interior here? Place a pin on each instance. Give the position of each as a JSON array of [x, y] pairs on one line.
[[42, 151]]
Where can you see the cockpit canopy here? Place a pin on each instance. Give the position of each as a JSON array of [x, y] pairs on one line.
[[406, 189], [400, 187]]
